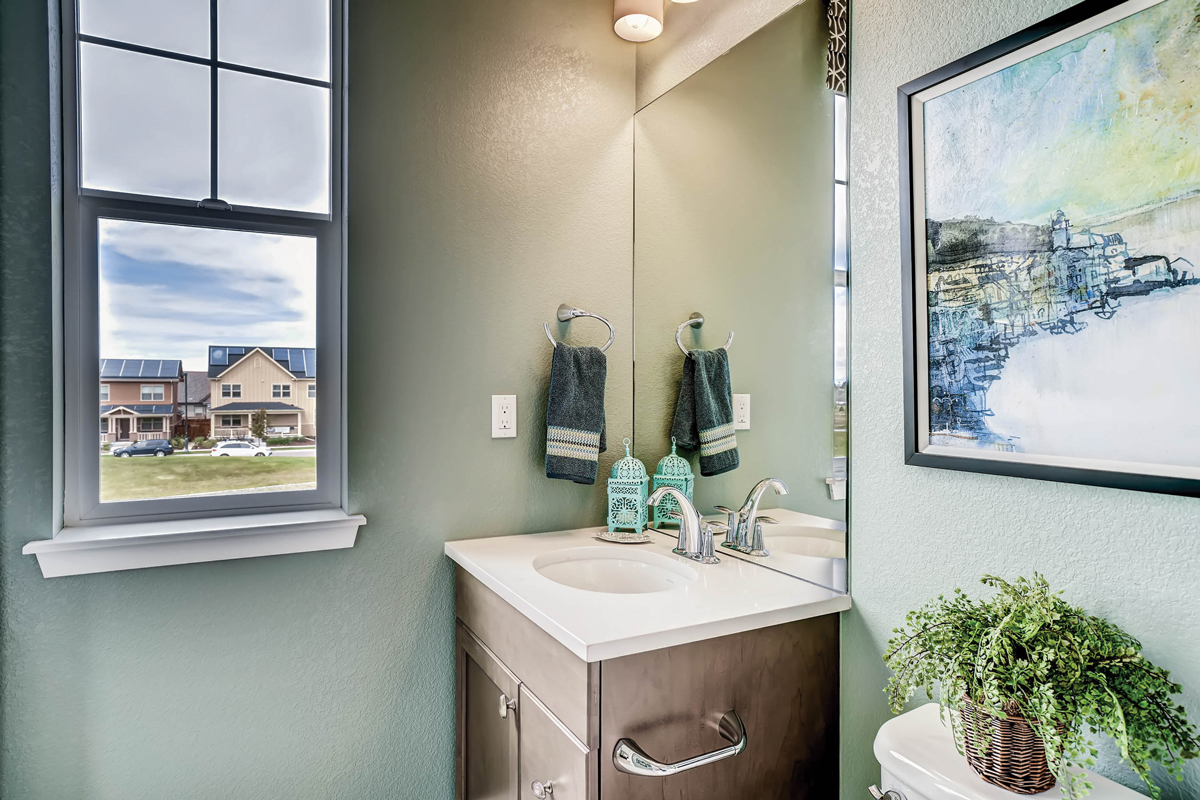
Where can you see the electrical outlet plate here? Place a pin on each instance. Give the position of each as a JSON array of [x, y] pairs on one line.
[[504, 416], [741, 412]]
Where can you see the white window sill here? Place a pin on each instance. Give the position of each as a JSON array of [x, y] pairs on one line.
[[108, 548]]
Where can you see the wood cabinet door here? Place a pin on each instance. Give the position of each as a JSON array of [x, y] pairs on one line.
[[488, 705], [552, 756], [782, 681]]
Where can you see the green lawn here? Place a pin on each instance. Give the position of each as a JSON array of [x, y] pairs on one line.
[[148, 477]]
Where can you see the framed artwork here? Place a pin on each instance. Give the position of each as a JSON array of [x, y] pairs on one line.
[[1050, 209]]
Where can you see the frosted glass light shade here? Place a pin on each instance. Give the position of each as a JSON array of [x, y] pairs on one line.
[[638, 20]]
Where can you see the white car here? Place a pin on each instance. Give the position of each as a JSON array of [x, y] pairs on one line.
[[240, 449]]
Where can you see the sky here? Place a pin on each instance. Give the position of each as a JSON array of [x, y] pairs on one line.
[[168, 291], [1103, 124]]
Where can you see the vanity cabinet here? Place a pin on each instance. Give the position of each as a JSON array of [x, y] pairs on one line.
[[569, 714]]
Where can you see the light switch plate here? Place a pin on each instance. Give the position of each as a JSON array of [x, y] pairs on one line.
[[741, 412], [504, 416]]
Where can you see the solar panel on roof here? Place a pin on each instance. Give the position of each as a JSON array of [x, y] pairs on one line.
[[237, 351], [310, 363], [218, 356], [279, 354], [129, 369]]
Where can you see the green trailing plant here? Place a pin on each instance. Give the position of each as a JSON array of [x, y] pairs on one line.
[[1027, 652]]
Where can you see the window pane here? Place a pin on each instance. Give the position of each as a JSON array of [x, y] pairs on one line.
[[273, 143], [180, 26], [289, 36], [841, 256], [840, 143], [222, 304], [144, 123]]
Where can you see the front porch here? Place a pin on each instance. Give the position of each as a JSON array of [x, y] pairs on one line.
[[126, 424], [237, 426]]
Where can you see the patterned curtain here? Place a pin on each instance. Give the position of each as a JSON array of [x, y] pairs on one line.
[[837, 74]]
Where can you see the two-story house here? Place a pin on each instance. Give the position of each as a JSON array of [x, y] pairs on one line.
[[280, 380], [137, 398]]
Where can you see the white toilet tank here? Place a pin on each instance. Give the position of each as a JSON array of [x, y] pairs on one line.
[[917, 758]]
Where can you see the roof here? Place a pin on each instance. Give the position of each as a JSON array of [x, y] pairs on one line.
[[300, 361], [268, 406], [132, 369], [197, 388], [141, 409]]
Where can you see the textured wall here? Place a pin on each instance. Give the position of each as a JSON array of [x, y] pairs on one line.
[[733, 218], [693, 35], [916, 532], [492, 179]]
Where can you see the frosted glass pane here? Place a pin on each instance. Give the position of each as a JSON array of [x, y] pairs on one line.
[[841, 256], [177, 25], [289, 36], [840, 142], [273, 143], [144, 123]]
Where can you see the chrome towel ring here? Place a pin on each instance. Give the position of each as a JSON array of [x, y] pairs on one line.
[[567, 313], [696, 319]]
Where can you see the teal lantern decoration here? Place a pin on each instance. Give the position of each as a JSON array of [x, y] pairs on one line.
[[674, 470], [628, 488]]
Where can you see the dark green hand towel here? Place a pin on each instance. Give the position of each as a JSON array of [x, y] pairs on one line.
[[704, 411], [575, 413]]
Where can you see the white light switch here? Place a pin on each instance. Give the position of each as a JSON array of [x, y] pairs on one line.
[[741, 412], [504, 416]]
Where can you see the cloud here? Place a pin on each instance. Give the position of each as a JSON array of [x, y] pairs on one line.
[[170, 291]]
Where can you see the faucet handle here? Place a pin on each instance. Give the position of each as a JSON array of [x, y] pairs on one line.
[[707, 555], [758, 548], [731, 525]]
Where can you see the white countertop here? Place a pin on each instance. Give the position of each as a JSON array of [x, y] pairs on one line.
[[730, 597]]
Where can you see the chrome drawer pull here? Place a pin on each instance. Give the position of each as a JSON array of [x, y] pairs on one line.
[[631, 759], [890, 794], [506, 704], [542, 790]]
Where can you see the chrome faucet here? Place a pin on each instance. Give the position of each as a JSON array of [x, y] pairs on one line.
[[695, 535], [745, 532]]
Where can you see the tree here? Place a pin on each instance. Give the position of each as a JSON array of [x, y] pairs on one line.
[[258, 424]]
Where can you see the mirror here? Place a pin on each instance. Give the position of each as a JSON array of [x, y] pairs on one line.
[[734, 218]]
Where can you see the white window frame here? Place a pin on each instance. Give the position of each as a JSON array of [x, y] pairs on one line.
[[226, 421], [281, 391], [143, 421], [312, 390], [104, 393], [157, 393], [90, 536], [103, 425], [231, 391]]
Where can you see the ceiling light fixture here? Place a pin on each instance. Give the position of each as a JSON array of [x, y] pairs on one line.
[[638, 20]]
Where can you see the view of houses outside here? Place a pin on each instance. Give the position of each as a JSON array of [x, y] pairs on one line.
[[208, 374]]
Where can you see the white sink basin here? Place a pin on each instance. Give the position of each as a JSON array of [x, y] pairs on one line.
[[614, 570], [805, 540]]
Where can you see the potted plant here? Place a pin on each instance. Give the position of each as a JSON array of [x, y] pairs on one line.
[[1024, 677]]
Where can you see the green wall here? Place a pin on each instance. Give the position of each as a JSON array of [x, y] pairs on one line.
[[733, 217], [917, 532], [491, 166]]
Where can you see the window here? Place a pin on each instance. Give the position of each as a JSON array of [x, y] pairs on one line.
[[312, 390], [203, 209], [104, 424], [841, 297], [281, 390]]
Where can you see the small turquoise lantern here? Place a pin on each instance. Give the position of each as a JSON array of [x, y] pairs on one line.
[[674, 470], [628, 488]]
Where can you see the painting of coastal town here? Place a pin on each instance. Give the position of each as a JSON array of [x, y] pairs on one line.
[[1062, 239]]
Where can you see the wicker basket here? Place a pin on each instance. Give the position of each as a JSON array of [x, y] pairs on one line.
[[1015, 758]]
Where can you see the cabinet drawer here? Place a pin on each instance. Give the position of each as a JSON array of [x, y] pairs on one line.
[[550, 754]]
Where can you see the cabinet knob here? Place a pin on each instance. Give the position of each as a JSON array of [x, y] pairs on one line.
[[542, 790], [890, 794], [506, 704]]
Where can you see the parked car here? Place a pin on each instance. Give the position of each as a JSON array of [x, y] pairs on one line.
[[148, 447], [240, 449]]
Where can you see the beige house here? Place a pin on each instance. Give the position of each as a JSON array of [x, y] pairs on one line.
[[280, 380]]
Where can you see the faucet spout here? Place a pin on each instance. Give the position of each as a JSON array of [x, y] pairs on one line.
[[748, 513], [689, 526]]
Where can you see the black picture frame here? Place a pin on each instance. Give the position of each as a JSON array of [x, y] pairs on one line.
[[910, 284]]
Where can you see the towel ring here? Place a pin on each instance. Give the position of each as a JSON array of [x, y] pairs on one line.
[[696, 319], [567, 313]]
